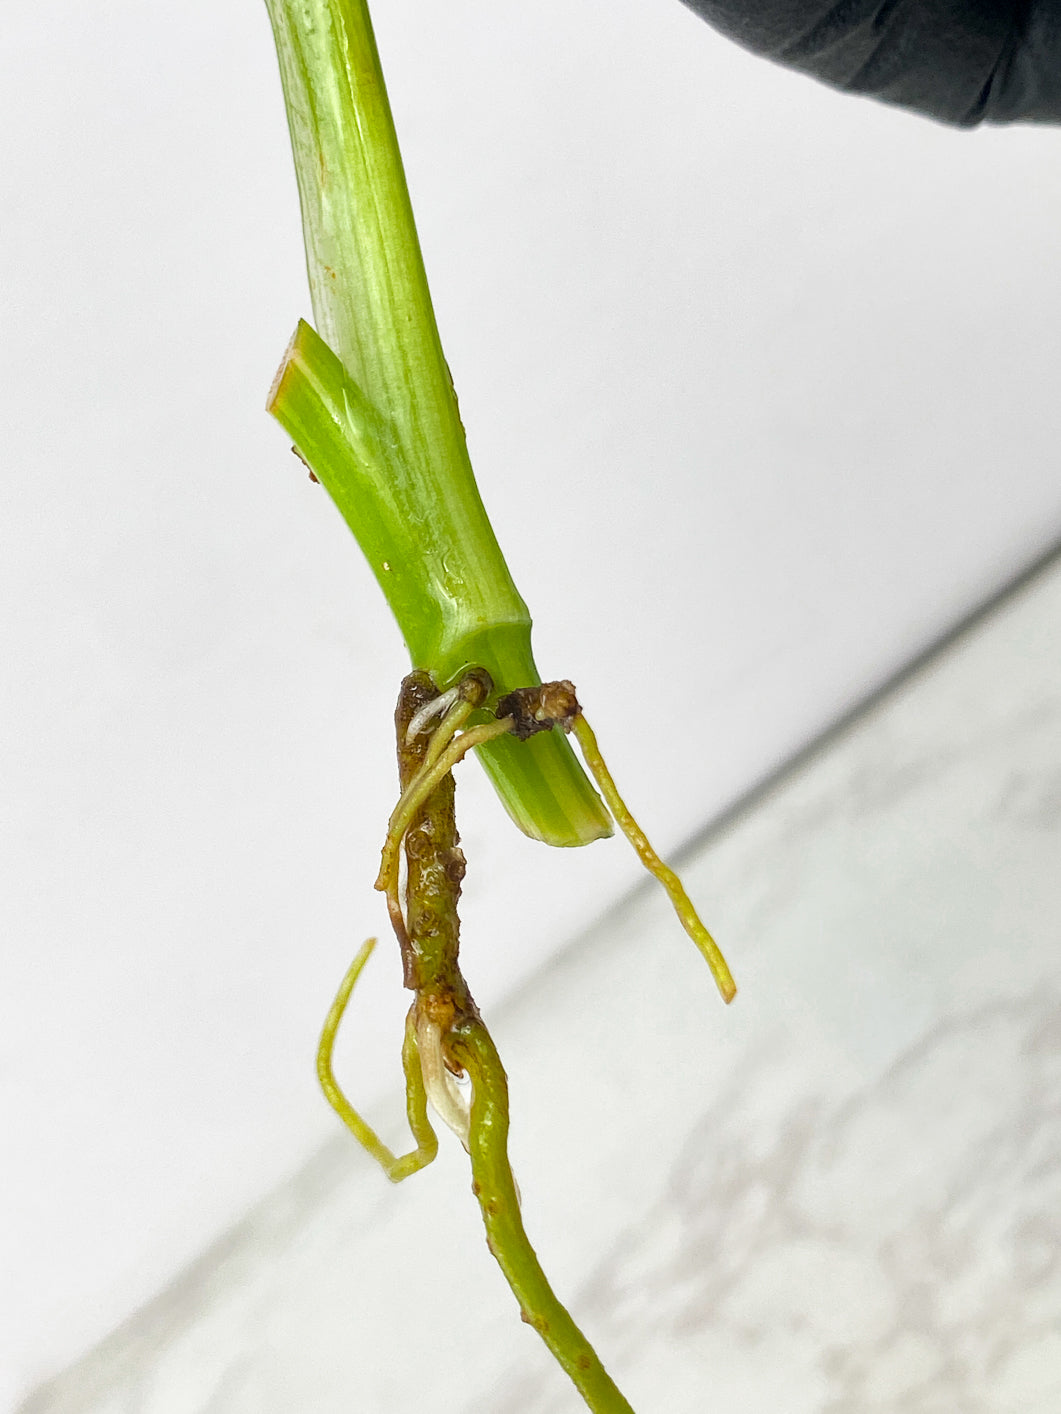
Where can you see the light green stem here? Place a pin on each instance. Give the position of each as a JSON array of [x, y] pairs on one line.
[[370, 405], [494, 1186]]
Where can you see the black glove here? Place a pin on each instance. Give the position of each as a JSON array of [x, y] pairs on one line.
[[961, 61]]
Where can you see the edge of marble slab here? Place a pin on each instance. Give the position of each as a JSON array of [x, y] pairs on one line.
[[1008, 593]]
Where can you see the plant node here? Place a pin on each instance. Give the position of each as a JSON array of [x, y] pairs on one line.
[[445, 1038]]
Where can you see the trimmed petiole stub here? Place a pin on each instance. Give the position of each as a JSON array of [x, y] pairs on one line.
[[411, 534], [367, 399]]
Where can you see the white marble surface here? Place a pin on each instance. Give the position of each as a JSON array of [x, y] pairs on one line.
[[842, 1196]]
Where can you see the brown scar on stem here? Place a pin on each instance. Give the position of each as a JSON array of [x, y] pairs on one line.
[[312, 474], [417, 690], [539, 709], [440, 1008], [435, 865]]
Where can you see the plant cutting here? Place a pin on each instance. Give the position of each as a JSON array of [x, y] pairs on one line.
[[367, 400]]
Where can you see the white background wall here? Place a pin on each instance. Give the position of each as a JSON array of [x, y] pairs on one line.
[[761, 386]]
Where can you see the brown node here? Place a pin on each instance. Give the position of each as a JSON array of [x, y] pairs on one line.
[[439, 1008], [539, 709], [455, 866], [475, 686]]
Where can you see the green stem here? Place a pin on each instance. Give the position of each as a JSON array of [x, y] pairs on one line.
[[366, 274], [370, 405], [492, 1182]]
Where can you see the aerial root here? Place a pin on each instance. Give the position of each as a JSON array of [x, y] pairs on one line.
[[682, 903]]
